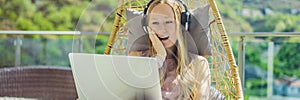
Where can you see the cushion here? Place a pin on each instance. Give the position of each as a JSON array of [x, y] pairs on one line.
[[197, 37]]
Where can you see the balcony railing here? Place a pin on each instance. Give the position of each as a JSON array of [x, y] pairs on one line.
[[241, 53], [18, 41], [241, 46]]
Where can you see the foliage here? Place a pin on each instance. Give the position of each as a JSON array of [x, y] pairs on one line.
[[280, 20], [52, 15], [287, 60], [7, 54], [278, 23], [231, 19], [256, 87]]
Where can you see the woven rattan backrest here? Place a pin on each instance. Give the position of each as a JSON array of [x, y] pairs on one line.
[[38, 82]]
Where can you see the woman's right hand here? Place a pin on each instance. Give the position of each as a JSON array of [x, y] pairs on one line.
[[157, 44]]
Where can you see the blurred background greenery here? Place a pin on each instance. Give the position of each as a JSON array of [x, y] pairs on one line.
[[82, 15]]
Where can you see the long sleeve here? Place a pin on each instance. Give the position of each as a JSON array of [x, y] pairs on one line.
[[203, 76]]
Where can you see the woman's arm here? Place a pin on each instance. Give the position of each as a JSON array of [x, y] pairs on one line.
[[202, 74]]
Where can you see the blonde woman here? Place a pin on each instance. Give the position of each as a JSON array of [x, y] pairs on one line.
[[184, 76]]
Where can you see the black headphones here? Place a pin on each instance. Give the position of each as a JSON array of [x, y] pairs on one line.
[[185, 17]]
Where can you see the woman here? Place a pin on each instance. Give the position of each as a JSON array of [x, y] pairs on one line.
[[183, 75]]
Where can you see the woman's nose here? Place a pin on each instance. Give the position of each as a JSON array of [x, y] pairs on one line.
[[162, 30]]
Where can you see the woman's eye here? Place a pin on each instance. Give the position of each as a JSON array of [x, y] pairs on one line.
[[155, 23], [169, 22]]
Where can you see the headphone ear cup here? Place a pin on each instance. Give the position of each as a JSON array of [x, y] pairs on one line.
[[144, 23], [183, 19]]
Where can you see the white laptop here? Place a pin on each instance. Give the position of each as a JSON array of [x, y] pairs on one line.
[[112, 77]]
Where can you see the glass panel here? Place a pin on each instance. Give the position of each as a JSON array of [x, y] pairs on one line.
[[7, 50], [286, 67], [48, 50]]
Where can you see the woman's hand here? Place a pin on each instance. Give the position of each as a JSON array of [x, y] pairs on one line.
[[157, 44]]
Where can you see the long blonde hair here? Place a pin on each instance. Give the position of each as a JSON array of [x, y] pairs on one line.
[[188, 83]]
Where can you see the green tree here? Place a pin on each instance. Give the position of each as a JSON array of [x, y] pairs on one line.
[[286, 61]]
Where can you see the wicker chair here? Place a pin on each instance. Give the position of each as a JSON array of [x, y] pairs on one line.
[[38, 82], [224, 71]]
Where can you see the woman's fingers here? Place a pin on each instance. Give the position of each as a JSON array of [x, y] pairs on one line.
[[157, 44]]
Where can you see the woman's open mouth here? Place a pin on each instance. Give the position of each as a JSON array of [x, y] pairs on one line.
[[163, 38]]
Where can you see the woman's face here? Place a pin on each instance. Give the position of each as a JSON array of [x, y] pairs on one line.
[[162, 22]]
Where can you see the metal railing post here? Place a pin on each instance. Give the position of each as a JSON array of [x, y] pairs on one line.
[[18, 43], [270, 69], [241, 59]]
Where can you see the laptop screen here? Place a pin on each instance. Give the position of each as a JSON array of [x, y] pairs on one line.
[[113, 77]]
